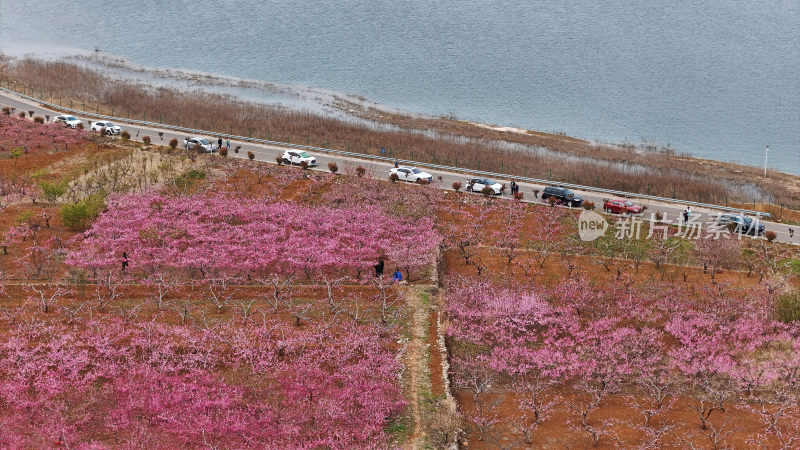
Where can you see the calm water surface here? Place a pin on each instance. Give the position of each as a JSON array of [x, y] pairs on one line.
[[717, 79]]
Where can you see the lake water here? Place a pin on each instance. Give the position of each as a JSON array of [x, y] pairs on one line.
[[713, 78]]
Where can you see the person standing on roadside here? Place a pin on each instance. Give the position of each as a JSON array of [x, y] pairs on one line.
[[687, 213], [219, 143], [514, 187], [228, 144], [396, 165]]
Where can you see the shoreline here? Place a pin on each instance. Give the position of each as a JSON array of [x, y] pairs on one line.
[[564, 158], [320, 100]]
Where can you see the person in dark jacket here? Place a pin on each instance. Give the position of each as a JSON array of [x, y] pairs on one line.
[[379, 268], [219, 143]]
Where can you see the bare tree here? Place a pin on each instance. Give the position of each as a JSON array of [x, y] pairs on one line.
[[46, 298], [107, 289], [221, 292], [717, 434]]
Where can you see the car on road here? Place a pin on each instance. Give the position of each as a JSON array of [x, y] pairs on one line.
[[298, 157], [411, 174], [110, 128], [478, 184], [738, 223], [199, 144], [622, 206], [562, 196], [67, 120]]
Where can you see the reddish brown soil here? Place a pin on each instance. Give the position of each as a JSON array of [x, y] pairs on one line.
[[557, 432], [555, 270]]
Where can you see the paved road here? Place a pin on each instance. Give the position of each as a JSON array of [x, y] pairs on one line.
[[267, 154]]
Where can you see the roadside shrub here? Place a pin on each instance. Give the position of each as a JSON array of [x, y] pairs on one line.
[[22, 114], [79, 126], [551, 201], [173, 143], [39, 120], [146, 140], [304, 165], [588, 205], [770, 235], [223, 151], [251, 156], [78, 216], [394, 178], [423, 182], [7, 110], [278, 158], [644, 208], [487, 191], [52, 191], [333, 167], [788, 307], [127, 136], [360, 171], [237, 148], [659, 216], [456, 186], [188, 178], [518, 196]]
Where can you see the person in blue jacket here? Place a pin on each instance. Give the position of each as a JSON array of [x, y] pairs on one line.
[[398, 276]]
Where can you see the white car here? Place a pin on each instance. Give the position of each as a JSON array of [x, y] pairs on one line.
[[477, 185], [199, 144], [297, 157], [69, 121], [411, 174], [110, 127]]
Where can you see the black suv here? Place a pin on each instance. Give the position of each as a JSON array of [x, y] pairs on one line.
[[741, 224], [562, 196]]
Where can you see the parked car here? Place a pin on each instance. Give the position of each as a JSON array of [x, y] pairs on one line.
[[411, 174], [199, 144], [742, 224], [622, 206], [67, 120], [477, 185], [297, 157], [110, 127], [562, 196]]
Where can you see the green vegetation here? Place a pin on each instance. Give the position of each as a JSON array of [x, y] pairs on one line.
[[788, 307], [78, 216], [52, 191], [188, 178], [23, 217], [15, 153]]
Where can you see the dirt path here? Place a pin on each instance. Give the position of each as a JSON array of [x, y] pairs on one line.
[[416, 361]]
